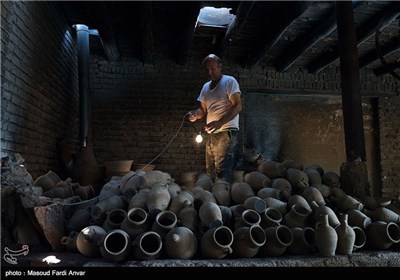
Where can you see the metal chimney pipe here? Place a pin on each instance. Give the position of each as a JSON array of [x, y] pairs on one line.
[[82, 32]]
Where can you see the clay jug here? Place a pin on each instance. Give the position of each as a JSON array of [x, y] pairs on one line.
[[297, 178], [240, 192], [174, 189], [257, 180], [131, 183], [237, 176], [201, 196], [313, 194], [84, 192], [271, 217], [158, 199], [227, 216], [179, 201], [99, 210], [382, 235], [346, 236], [139, 200], [180, 243], [298, 216], [135, 222], [383, 214], [281, 184], [331, 179], [255, 203], [216, 243], [303, 241], [272, 169], [346, 203], [278, 239], [298, 200], [222, 194], [325, 237], [358, 218], [115, 246], [313, 176], [88, 240], [204, 181], [147, 246], [247, 241], [114, 219], [189, 217], [320, 211], [276, 203], [210, 215], [248, 218], [111, 188], [270, 192], [164, 222]]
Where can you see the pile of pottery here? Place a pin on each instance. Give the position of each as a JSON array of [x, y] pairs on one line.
[[281, 208]]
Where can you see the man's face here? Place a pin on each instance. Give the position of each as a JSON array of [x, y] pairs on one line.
[[213, 69]]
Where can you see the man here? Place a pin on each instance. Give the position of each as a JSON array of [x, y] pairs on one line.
[[221, 102]]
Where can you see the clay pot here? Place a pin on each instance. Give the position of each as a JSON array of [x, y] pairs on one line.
[[88, 240], [240, 192], [189, 217], [216, 243], [237, 176], [179, 201], [320, 211], [79, 219], [277, 204], [164, 222], [247, 241], [298, 216], [147, 246], [135, 222], [47, 181], [358, 218], [282, 184], [85, 192], [117, 167], [221, 192], [303, 241], [114, 219], [115, 246], [158, 199], [248, 218], [279, 238], [99, 210], [180, 243], [346, 236], [255, 203], [257, 180], [360, 239], [382, 235], [210, 215], [325, 237], [272, 169], [70, 241], [313, 194], [139, 200], [297, 178], [202, 196], [271, 217]]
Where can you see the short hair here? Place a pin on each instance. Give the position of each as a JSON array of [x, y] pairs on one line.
[[211, 57]]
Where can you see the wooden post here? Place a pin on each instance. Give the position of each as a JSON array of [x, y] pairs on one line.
[[354, 175]]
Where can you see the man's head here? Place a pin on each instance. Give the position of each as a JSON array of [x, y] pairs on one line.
[[213, 66]]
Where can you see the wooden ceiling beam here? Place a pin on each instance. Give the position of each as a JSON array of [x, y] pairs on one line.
[[267, 42], [99, 14], [303, 43], [364, 32]]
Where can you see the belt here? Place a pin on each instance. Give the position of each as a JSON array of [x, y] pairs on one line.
[[226, 129]]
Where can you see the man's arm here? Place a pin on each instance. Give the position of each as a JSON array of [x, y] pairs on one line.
[[198, 113]]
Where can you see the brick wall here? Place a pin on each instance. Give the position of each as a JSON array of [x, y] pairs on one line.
[[39, 83]]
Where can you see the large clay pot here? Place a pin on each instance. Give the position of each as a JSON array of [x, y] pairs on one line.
[[79, 219], [303, 241], [270, 192], [114, 219], [216, 243], [278, 239], [281, 184], [247, 241], [221, 192], [189, 218], [131, 183], [180, 200], [164, 222], [382, 235], [298, 200], [276, 203], [158, 199], [201, 196], [383, 214], [257, 180], [240, 192], [88, 240], [139, 200], [320, 211], [180, 243], [313, 194], [210, 215], [297, 178], [99, 210], [135, 222], [313, 176], [248, 218], [147, 246], [358, 218], [115, 246], [325, 237], [237, 176], [271, 217], [255, 203], [298, 216], [272, 169], [117, 167]]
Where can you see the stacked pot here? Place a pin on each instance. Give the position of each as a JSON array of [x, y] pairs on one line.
[[280, 208]]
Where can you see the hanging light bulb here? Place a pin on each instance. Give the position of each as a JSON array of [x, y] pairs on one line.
[[199, 138]]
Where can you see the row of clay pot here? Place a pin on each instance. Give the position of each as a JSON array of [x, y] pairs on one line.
[[263, 211]]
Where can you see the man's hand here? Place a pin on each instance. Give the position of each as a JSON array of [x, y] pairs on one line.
[[212, 126], [192, 116]]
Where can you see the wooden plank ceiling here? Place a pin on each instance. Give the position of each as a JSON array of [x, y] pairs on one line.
[[284, 35]]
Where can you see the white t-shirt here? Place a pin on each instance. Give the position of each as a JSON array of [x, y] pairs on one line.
[[217, 100]]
